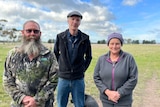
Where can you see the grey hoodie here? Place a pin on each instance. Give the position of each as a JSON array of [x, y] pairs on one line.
[[120, 76]]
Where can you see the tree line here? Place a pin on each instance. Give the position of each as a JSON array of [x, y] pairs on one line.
[[130, 41]]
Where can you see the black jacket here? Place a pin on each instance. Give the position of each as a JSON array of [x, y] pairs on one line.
[[82, 58]]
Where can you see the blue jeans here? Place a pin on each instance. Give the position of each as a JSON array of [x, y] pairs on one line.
[[75, 87]]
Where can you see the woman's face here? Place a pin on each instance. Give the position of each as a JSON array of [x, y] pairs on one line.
[[114, 46]]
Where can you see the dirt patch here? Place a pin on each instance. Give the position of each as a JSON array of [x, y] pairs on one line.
[[151, 96]]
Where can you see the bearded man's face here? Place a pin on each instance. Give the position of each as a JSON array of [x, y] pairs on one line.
[[31, 39]]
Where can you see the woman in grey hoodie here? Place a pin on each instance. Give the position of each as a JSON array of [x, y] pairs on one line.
[[116, 74]]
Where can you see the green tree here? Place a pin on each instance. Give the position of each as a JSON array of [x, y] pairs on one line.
[[4, 32], [101, 42]]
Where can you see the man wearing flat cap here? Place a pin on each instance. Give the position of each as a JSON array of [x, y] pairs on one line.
[[73, 51], [74, 13]]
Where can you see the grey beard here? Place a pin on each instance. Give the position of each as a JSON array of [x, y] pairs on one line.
[[31, 47]]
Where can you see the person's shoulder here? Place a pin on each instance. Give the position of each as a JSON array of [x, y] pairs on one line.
[[44, 50], [47, 53], [13, 51], [103, 56], [127, 54], [63, 32], [84, 34]]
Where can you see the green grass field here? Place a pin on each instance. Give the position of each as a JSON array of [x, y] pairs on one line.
[[147, 58]]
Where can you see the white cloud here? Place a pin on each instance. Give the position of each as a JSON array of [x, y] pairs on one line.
[[52, 15], [130, 2]]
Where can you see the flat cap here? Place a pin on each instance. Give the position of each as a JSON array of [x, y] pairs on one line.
[[74, 13]]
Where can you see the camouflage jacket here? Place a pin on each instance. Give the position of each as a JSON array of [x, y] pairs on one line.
[[36, 78]]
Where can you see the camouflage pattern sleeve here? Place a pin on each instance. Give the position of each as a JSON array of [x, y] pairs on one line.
[[46, 93], [9, 79]]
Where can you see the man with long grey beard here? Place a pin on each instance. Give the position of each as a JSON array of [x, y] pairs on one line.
[[30, 74]]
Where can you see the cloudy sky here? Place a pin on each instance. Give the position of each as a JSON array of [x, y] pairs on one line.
[[135, 19]]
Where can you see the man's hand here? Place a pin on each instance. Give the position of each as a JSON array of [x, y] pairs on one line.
[[29, 101]]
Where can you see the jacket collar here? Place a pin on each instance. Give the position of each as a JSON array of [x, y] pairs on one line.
[[108, 55], [81, 35]]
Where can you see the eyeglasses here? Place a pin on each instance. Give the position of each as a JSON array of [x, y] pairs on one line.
[[30, 30]]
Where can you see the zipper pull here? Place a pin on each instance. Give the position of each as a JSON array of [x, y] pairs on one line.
[[72, 45], [113, 64]]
